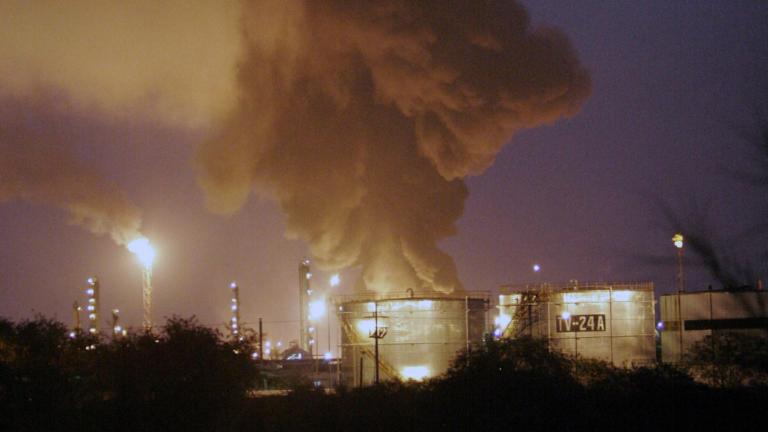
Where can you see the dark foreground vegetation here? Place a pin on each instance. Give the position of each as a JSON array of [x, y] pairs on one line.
[[188, 378]]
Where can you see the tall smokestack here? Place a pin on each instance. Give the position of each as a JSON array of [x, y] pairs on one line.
[[361, 119], [306, 337]]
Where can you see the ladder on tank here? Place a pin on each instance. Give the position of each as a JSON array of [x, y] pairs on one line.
[[526, 314], [384, 366]]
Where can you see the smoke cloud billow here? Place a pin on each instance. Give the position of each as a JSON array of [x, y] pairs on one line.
[[169, 61], [35, 167], [362, 119]]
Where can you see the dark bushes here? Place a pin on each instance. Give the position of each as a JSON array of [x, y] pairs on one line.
[[188, 377]]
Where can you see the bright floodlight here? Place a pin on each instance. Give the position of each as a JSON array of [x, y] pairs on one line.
[[502, 321], [327, 356], [417, 373], [335, 280], [677, 239], [536, 268], [316, 309], [143, 251]]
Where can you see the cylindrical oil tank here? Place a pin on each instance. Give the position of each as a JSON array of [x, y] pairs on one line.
[[614, 322], [418, 335]]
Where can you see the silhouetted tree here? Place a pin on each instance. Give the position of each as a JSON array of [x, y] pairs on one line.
[[730, 359]]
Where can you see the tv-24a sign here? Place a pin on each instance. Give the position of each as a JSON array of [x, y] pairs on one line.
[[580, 323]]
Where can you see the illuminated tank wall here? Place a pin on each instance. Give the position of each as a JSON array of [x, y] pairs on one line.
[[419, 334], [606, 321], [709, 313]]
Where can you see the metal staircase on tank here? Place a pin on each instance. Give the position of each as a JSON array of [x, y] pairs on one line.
[[526, 314], [384, 366]]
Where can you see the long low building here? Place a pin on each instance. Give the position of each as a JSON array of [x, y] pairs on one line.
[[608, 321], [706, 313]]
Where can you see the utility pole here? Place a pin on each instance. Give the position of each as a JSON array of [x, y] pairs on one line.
[[117, 329], [261, 344], [76, 315], [376, 334], [677, 239]]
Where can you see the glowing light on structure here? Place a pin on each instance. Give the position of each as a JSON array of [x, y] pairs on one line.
[[566, 315], [92, 292], [117, 329], [316, 309], [536, 268], [234, 307], [404, 305], [146, 256], [622, 296], [597, 296], [502, 321], [416, 373], [366, 326], [677, 239], [327, 356], [335, 280]]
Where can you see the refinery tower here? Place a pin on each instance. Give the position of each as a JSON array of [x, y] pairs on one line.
[[306, 338]]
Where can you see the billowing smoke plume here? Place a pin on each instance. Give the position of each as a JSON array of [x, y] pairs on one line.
[[36, 167], [361, 119], [170, 61]]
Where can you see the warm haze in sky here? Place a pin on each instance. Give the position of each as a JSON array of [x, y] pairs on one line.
[[431, 147]]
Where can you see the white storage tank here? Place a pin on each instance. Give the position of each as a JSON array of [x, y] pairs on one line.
[[418, 334], [709, 313], [613, 322]]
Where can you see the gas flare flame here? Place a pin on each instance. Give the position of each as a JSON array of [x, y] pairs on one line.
[[143, 251]]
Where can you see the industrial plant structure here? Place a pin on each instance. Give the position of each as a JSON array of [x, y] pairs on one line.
[[306, 338], [406, 335], [613, 322], [709, 313], [93, 307]]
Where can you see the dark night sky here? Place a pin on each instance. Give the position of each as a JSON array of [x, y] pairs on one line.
[[675, 84]]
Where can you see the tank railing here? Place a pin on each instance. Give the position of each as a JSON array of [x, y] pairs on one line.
[[575, 286], [411, 295]]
